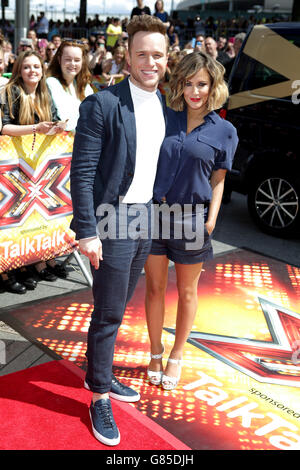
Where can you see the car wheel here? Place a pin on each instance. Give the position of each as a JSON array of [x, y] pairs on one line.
[[274, 204]]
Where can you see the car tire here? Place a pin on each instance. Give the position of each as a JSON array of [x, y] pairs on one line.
[[274, 205]]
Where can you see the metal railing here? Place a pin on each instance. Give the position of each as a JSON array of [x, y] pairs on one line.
[[185, 34]]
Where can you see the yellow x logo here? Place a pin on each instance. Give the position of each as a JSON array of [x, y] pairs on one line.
[[277, 53]]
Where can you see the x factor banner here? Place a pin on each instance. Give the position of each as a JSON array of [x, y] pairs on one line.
[[98, 83], [35, 200]]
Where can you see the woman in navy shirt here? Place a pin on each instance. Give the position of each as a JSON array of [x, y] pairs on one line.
[[197, 151]]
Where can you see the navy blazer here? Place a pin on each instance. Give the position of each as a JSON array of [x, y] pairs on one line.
[[104, 154]]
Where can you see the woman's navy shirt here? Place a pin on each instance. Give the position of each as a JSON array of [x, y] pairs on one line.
[[186, 162]]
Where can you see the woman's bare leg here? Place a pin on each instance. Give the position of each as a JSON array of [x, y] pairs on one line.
[[187, 286], [156, 269]]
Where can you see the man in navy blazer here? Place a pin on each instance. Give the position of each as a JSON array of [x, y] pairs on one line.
[[116, 148]]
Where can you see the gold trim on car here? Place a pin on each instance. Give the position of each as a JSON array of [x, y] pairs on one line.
[[278, 54]]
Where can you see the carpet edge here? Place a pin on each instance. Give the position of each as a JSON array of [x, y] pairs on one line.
[[145, 420]]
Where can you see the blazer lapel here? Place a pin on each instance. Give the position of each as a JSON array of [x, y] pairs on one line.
[[127, 113], [163, 104]]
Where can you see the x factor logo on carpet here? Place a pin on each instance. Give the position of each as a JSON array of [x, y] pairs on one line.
[[270, 362], [239, 387]]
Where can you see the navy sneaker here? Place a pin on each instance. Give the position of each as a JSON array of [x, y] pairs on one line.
[[103, 423], [120, 391]]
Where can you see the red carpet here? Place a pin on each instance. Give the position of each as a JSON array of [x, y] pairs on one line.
[[245, 299], [46, 408]]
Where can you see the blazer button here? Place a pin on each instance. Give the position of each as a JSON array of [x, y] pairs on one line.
[[130, 173]]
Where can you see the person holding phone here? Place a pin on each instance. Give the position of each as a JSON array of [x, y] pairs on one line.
[[199, 45], [98, 57], [118, 68], [69, 80], [28, 107]]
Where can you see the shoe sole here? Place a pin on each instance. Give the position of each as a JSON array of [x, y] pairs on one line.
[[124, 398], [119, 397], [102, 439]]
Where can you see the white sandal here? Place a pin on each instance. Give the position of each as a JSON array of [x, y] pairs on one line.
[[155, 377], [169, 383]]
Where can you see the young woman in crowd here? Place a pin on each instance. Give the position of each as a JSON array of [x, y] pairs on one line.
[[119, 67], [161, 13], [33, 36], [173, 37], [28, 109], [50, 52], [9, 56], [97, 57], [3, 80], [69, 81], [197, 151], [41, 48]]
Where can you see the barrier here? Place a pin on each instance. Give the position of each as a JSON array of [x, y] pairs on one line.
[[35, 199]]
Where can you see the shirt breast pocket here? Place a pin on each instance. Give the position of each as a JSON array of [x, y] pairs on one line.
[[207, 148]]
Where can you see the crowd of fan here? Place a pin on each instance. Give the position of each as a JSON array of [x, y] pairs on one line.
[[106, 40]]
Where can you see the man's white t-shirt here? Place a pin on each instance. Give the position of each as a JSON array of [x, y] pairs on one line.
[[150, 132]]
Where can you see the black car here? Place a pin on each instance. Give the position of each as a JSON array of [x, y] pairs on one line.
[[264, 106]]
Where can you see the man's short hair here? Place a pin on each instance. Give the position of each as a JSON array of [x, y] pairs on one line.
[[146, 23]]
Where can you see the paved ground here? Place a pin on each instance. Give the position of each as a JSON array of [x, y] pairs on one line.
[[234, 229], [17, 352]]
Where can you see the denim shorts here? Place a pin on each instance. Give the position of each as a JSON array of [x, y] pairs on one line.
[[182, 236]]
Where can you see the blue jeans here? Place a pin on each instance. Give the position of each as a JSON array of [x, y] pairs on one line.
[[113, 286]]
